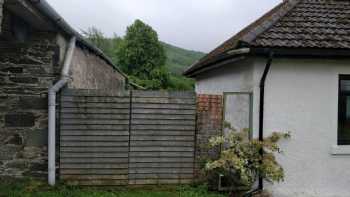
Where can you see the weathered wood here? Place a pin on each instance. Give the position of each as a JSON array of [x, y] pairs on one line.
[[87, 166], [95, 171], [162, 148], [160, 160], [163, 122], [75, 149], [161, 154], [160, 165], [163, 117], [95, 127], [161, 143], [163, 106], [95, 116], [159, 181], [94, 111], [164, 111], [97, 182], [92, 99], [94, 177], [94, 155], [161, 176], [160, 170], [93, 122], [93, 133], [94, 160], [162, 138], [164, 127], [94, 144], [96, 105], [162, 133], [95, 138]]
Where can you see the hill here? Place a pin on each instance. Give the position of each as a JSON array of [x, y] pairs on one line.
[[178, 59]]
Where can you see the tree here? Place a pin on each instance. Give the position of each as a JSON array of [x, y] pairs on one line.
[[106, 45], [142, 56]]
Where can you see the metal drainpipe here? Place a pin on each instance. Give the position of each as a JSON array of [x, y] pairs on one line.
[[52, 112], [261, 118]]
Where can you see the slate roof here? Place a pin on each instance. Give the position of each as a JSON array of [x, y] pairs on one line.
[[321, 24]]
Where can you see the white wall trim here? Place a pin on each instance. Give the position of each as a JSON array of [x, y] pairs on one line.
[[340, 150]]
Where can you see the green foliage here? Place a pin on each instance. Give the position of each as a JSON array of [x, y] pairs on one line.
[[148, 62], [32, 188], [179, 59], [142, 56], [241, 161]]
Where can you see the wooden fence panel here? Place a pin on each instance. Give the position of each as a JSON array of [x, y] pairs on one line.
[[136, 138], [94, 137], [162, 138]]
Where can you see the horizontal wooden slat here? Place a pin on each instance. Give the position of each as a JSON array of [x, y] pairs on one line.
[[95, 138], [98, 93], [161, 154], [163, 100], [94, 166], [162, 133], [94, 171], [94, 155], [94, 177], [94, 144], [160, 170], [161, 165], [94, 133], [163, 122], [74, 149], [161, 148], [163, 111], [92, 99], [161, 143], [164, 94], [96, 105], [161, 176], [163, 117], [95, 111], [160, 160], [94, 160], [95, 116], [164, 127], [164, 106], [162, 138], [95, 127], [97, 182], [159, 181], [93, 122]]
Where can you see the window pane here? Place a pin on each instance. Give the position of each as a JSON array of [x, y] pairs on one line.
[[237, 110], [344, 111]]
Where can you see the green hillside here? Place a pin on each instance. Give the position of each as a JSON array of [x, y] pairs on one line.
[[178, 59]]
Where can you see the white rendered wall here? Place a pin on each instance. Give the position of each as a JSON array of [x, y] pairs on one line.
[[301, 97]]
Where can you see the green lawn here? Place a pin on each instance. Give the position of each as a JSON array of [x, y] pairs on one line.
[[20, 188]]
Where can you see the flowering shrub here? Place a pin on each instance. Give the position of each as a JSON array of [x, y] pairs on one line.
[[241, 161]]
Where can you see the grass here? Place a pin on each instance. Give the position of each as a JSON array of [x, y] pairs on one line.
[[31, 188]]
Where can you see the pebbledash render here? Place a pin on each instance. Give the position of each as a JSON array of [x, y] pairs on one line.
[[33, 47], [290, 71]]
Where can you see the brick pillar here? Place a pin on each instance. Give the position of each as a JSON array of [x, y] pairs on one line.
[[209, 124]]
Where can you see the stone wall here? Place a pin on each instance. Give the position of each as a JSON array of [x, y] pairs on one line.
[[1, 4], [209, 124], [91, 72], [26, 73]]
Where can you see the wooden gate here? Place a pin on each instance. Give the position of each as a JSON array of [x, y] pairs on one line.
[[139, 137]]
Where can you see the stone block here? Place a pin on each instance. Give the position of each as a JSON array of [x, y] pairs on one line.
[[15, 139], [37, 138], [19, 120], [26, 80], [8, 152], [31, 102]]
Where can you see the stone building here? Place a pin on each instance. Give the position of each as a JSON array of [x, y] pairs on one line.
[[33, 44]]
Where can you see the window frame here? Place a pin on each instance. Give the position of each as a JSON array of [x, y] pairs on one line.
[[341, 108]]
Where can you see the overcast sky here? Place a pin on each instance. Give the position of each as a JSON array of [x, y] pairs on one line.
[[192, 24]]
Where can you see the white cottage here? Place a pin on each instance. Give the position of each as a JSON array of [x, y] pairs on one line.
[[290, 71]]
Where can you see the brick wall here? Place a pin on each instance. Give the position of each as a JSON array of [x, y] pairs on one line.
[[26, 73], [209, 124]]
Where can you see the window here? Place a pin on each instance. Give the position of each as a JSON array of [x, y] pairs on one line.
[[238, 110], [344, 110]]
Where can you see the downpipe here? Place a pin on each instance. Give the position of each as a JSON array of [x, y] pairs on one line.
[[261, 120], [52, 111]]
